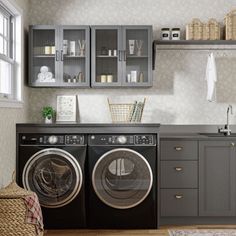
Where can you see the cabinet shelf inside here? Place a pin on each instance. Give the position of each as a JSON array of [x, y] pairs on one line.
[[106, 56], [68, 56], [143, 56], [45, 56]]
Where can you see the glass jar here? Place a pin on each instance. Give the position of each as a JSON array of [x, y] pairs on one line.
[[175, 34], [165, 33]]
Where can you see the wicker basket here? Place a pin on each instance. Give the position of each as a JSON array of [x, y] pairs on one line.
[[230, 25], [126, 112], [13, 212], [196, 30]]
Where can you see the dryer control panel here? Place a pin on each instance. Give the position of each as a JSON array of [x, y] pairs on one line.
[[52, 139], [131, 140]]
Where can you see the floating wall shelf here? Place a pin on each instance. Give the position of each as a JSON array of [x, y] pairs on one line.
[[192, 45]]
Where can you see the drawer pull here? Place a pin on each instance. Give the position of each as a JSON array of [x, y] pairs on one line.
[[179, 196], [178, 148], [178, 169], [232, 144]]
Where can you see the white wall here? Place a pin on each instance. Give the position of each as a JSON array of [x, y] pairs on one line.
[[8, 118], [179, 91]]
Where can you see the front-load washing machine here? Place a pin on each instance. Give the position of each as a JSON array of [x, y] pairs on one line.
[[52, 165], [122, 174]]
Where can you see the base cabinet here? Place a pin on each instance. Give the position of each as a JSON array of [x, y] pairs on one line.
[[217, 165], [198, 180]]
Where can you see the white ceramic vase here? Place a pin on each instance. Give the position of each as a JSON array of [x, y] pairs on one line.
[[48, 120]]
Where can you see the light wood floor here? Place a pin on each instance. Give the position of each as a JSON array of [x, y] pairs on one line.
[[163, 231]]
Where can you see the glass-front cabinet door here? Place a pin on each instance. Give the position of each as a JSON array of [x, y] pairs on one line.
[[106, 56], [59, 56], [42, 62], [74, 56], [137, 56]]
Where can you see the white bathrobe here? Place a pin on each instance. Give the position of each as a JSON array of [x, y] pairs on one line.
[[211, 78]]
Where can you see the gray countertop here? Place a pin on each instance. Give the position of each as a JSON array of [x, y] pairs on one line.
[[195, 131]]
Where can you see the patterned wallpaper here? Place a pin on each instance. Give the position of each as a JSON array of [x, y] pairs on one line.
[[178, 95], [8, 118]]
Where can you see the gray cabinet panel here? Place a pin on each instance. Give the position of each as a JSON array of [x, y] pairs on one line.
[[179, 174], [49, 66], [179, 150], [125, 69], [217, 178], [179, 202]]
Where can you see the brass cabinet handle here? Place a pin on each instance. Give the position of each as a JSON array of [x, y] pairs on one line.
[[178, 148], [177, 196], [178, 168]]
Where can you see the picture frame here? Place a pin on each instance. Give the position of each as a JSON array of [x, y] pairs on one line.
[[66, 108]]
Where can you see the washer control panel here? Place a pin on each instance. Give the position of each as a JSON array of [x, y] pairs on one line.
[[106, 139], [74, 139], [52, 139]]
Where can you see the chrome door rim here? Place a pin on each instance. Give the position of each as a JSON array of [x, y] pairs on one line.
[[71, 159], [126, 150]]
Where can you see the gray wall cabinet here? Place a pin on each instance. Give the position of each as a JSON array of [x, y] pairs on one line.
[[217, 164], [121, 56], [59, 56]]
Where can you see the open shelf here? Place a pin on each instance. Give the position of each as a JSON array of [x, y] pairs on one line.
[[195, 42], [144, 56]]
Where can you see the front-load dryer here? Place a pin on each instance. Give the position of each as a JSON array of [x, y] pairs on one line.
[[53, 166], [122, 174]]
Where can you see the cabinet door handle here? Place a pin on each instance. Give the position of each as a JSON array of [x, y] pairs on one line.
[[232, 144], [62, 56], [120, 56], [178, 148], [178, 196], [178, 169], [125, 56], [57, 55]]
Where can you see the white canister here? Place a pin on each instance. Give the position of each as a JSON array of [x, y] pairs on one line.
[[72, 48], [109, 78], [115, 52], [165, 33], [47, 50], [133, 77], [128, 78], [109, 52], [52, 49], [175, 34], [103, 78]]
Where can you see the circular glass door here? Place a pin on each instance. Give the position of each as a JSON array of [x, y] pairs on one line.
[[122, 178], [54, 175]]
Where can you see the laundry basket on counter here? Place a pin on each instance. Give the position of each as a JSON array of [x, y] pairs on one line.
[[126, 112], [13, 212]]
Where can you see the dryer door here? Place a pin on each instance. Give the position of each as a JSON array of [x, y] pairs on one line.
[[54, 175], [122, 178]]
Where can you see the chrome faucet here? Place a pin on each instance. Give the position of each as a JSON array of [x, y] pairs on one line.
[[226, 130]]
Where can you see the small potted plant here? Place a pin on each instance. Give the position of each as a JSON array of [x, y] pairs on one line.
[[48, 113]]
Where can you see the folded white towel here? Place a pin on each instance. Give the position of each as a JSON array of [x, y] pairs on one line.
[[211, 78]]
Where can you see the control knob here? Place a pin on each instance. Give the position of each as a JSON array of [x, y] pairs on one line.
[[122, 139], [52, 139]]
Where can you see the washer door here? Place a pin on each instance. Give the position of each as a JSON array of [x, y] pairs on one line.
[[54, 175], [122, 178]]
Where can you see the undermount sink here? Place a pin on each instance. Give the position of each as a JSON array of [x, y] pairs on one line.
[[218, 135]]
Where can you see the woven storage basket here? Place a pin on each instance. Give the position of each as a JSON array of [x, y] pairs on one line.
[[126, 112], [230, 25], [194, 30], [13, 212]]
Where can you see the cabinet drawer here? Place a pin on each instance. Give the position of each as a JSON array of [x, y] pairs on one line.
[[179, 202], [179, 174], [179, 150]]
